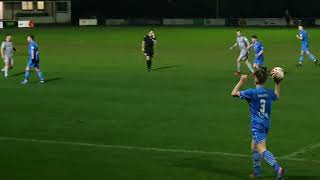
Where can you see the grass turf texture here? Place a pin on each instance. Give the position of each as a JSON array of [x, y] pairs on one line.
[[100, 93]]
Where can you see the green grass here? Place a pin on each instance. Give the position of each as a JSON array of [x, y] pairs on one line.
[[100, 93]]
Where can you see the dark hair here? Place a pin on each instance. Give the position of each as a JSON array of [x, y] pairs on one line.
[[261, 76], [151, 30], [238, 30], [254, 36], [31, 36], [8, 35]]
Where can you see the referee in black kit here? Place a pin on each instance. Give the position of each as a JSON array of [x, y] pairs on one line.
[[148, 48]]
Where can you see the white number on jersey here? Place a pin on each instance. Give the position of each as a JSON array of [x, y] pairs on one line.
[[263, 107]]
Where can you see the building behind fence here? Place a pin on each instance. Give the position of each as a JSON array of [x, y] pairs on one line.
[[39, 12]]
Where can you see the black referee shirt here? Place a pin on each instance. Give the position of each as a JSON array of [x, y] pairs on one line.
[[149, 42]]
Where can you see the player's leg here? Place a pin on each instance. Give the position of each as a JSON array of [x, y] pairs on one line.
[[238, 72], [312, 57], [260, 139], [148, 61], [270, 159], [301, 58], [11, 63], [256, 160], [151, 60], [249, 65], [40, 75], [27, 74], [149, 56], [30, 65], [6, 66], [238, 62]]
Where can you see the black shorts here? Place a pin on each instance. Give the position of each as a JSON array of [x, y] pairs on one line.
[[149, 53]]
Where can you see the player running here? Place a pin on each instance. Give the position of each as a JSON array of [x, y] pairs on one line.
[[258, 49], [243, 44], [260, 100], [304, 38], [7, 54], [34, 60], [148, 48]]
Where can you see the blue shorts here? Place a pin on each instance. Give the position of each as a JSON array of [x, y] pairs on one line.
[[33, 64], [259, 135], [259, 60], [304, 47]]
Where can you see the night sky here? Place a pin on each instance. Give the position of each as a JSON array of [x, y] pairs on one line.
[[193, 8]]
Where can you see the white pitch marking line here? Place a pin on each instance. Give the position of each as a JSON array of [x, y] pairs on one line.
[[303, 150], [124, 147], [145, 148]]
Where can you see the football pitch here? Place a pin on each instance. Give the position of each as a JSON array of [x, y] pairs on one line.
[[102, 116]]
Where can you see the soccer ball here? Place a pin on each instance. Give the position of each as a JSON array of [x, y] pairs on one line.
[[277, 73]]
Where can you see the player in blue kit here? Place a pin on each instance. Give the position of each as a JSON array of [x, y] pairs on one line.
[[304, 38], [260, 100], [258, 50], [34, 60]]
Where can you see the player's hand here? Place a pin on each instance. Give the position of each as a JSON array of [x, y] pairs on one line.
[[244, 78], [276, 80], [231, 48], [142, 49]]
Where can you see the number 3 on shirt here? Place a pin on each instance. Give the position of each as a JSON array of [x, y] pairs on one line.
[[263, 103]]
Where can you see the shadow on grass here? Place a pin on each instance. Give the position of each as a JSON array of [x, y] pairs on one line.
[[53, 79], [211, 167], [166, 67], [17, 74], [216, 168], [50, 80]]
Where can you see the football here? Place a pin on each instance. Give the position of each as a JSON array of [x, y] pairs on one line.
[[277, 73]]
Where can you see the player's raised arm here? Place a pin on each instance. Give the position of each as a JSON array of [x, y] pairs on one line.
[[236, 90], [277, 88], [277, 75]]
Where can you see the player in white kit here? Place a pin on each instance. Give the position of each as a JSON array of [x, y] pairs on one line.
[[7, 54], [243, 43]]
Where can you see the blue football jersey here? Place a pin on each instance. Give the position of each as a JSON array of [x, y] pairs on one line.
[[33, 46], [304, 35], [260, 100], [258, 47]]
